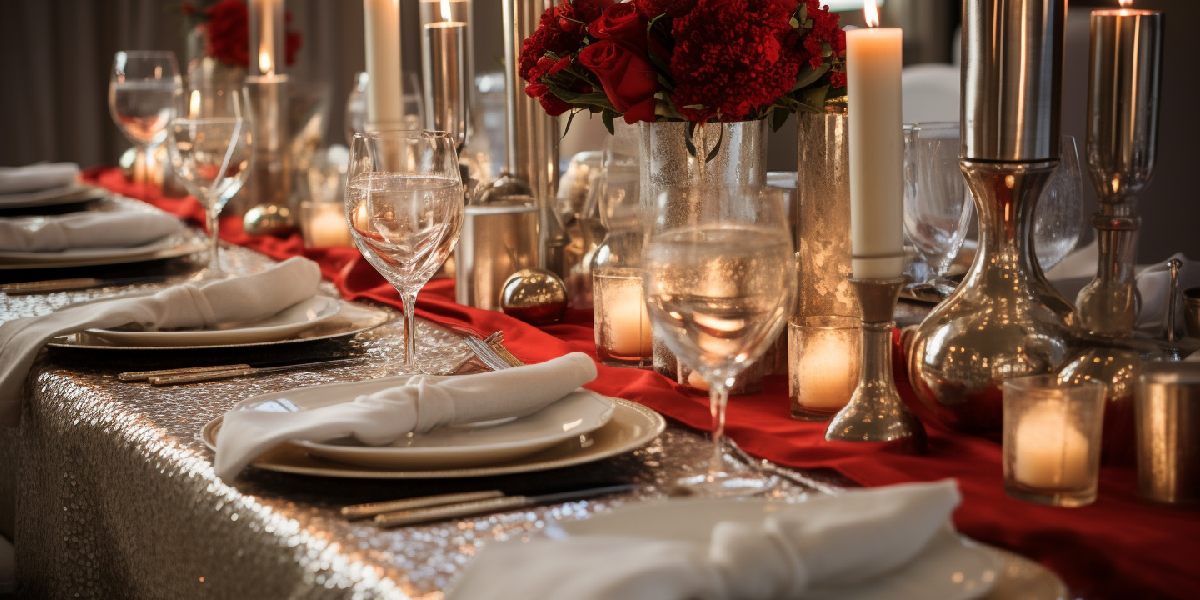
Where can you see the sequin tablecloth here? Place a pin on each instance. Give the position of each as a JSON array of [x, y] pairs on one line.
[[117, 496]]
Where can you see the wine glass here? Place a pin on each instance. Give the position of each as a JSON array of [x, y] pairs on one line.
[[141, 99], [1058, 220], [937, 203], [210, 151], [404, 203], [719, 288]]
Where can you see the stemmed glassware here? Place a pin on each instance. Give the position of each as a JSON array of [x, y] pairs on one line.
[[210, 151], [141, 98], [1058, 221], [404, 202], [937, 204], [719, 288]]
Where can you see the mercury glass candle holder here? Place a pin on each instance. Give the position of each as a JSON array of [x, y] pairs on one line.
[[824, 353], [324, 225], [1052, 440], [621, 322]]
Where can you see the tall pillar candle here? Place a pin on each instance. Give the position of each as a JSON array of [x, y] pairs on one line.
[[874, 61], [446, 65], [266, 37], [385, 93]]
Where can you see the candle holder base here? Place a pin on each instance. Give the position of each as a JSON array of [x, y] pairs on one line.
[[876, 413]]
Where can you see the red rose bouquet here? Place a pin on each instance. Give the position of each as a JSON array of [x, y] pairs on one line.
[[685, 60], [226, 26]]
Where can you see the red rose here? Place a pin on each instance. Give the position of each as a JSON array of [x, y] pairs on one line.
[[590, 10], [621, 23], [227, 36], [627, 77], [673, 8]]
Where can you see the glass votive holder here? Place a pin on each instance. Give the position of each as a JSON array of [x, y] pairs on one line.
[[824, 358], [1052, 440], [622, 324], [323, 225]]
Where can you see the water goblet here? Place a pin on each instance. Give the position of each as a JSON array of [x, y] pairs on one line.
[[719, 288], [1058, 219], [937, 204], [404, 203], [141, 99], [210, 148]]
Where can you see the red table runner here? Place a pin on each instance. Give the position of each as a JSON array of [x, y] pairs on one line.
[[1119, 547]]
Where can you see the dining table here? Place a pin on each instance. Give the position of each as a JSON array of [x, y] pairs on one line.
[[116, 495]]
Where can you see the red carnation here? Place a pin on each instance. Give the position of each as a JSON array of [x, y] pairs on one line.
[[550, 103], [621, 23], [729, 61], [627, 77], [550, 37]]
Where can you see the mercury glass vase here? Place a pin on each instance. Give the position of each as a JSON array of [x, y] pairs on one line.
[[1004, 320], [684, 161]]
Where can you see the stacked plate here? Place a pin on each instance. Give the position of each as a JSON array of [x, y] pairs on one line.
[[581, 428], [318, 318]]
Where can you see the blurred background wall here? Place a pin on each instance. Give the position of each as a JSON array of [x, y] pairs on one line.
[[55, 56]]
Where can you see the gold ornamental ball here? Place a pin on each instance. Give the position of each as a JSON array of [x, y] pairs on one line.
[[535, 296]]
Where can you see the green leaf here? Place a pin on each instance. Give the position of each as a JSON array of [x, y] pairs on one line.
[[570, 119], [779, 116], [809, 76], [814, 98], [608, 121]]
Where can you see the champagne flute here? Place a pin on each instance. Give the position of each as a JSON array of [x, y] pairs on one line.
[[141, 99], [210, 140], [404, 203], [719, 288]]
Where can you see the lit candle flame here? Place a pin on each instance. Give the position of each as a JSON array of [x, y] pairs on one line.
[[265, 64], [1125, 3], [194, 104], [871, 12], [446, 15]]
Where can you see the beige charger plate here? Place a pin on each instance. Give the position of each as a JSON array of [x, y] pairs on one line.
[[631, 427]]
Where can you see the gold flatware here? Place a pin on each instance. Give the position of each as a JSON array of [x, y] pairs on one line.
[[200, 377], [503, 503], [130, 376], [72, 284], [370, 509]]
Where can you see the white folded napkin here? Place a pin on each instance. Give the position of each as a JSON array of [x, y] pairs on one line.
[[121, 229], [236, 300], [1153, 282], [421, 404], [40, 176], [826, 541]]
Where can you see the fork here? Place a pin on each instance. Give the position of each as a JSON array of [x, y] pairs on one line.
[[492, 353]]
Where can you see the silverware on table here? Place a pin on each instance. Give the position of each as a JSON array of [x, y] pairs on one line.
[[132, 376], [766, 466], [503, 503]]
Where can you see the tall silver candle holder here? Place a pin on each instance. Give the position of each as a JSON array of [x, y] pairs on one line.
[[270, 176], [1124, 78], [1004, 320], [876, 413], [513, 223], [445, 35]]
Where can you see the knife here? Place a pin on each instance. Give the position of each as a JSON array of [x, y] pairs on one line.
[[75, 283], [466, 509], [241, 372]]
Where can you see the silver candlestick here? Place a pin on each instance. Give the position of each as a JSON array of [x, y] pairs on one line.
[[445, 32], [1124, 78], [876, 413]]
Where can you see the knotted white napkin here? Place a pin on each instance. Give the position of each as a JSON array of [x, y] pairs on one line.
[[421, 404], [121, 229], [1153, 282], [826, 541], [35, 177], [236, 300]]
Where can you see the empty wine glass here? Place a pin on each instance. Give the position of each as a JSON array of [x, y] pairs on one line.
[[937, 203], [141, 99], [404, 202], [210, 151], [719, 288], [1058, 219]]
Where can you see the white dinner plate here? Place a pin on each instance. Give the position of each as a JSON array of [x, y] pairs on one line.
[[580, 413], [951, 568], [172, 246], [71, 194], [284, 324], [631, 427], [352, 319]]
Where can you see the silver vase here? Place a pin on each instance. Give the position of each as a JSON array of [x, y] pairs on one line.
[[681, 161]]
